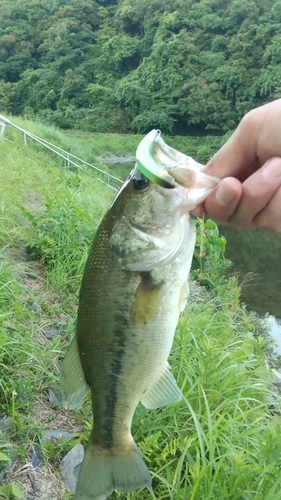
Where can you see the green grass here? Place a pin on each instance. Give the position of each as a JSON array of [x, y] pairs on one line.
[[223, 440], [85, 146]]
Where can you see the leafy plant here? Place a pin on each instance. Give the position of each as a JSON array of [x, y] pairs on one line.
[[9, 491], [128, 67], [209, 263], [60, 235]]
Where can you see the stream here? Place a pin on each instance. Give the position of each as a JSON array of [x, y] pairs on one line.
[[256, 257]]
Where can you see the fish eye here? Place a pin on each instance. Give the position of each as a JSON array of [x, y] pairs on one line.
[[140, 182]]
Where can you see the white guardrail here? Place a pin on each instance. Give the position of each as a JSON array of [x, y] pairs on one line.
[[106, 178]]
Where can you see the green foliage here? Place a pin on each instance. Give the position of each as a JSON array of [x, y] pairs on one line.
[[208, 447], [4, 457], [184, 67], [59, 236], [61, 232], [11, 491], [209, 262], [208, 241], [8, 288], [55, 450], [223, 439], [20, 356]]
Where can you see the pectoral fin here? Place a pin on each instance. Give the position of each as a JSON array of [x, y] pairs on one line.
[[147, 300], [73, 384], [162, 391], [183, 297]]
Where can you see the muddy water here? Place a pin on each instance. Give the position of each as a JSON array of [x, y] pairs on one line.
[[256, 257]]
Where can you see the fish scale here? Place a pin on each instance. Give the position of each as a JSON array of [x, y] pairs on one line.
[[133, 289]]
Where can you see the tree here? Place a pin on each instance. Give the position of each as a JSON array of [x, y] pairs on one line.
[[187, 66]]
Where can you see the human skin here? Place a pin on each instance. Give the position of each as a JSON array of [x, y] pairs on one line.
[[249, 164]]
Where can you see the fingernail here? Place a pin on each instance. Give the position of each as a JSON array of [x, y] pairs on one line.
[[272, 169], [223, 195]]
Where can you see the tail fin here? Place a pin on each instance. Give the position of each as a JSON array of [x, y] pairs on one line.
[[103, 471]]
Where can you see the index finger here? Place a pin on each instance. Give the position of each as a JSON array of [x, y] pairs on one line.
[[238, 156], [256, 140]]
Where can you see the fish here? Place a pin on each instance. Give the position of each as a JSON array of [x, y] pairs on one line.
[[134, 287]]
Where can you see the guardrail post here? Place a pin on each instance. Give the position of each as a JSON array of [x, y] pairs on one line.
[[3, 124], [3, 128], [24, 139]]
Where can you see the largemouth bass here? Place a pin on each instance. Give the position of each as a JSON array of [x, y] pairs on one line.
[[133, 289]]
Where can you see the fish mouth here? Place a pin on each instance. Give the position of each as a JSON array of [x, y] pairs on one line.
[[172, 169]]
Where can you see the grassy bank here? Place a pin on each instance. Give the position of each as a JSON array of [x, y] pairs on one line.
[[222, 441]]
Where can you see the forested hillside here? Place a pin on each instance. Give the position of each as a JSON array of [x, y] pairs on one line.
[[185, 66]]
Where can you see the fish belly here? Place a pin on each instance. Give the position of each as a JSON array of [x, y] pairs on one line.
[[126, 326], [125, 330]]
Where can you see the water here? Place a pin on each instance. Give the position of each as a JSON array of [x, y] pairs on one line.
[[275, 332], [256, 257]]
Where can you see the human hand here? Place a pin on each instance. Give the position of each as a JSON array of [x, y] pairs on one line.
[[250, 165]]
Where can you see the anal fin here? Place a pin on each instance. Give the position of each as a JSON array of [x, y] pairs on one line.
[[72, 380], [162, 391]]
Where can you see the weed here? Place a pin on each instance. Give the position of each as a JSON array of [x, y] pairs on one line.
[[222, 441], [10, 491], [59, 236], [55, 450]]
